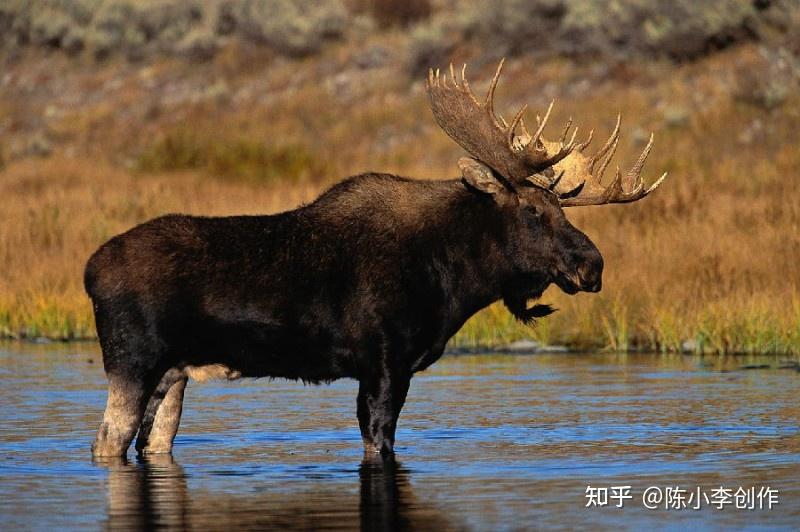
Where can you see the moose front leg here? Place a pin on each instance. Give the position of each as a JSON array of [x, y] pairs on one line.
[[380, 400]]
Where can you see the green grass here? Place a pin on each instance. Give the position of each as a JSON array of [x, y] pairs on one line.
[[47, 319], [756, 328], [750, 329], [227, 158]]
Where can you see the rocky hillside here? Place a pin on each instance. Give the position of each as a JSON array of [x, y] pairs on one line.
[[198, 29], [75, 72]]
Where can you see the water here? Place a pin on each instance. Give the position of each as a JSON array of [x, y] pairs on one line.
[[486, 442]]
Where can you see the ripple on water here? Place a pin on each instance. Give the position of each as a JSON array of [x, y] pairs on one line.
[[485, 442]]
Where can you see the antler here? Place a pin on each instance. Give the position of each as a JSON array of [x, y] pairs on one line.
[[530, 158], [488, 137], [581, 173]]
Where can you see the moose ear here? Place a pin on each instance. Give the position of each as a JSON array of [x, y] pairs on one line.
[[479, 176]]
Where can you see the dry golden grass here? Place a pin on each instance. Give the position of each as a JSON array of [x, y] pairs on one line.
[[59, 210], [711, 258]]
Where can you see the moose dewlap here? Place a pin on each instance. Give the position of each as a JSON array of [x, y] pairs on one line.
[[369, 281]]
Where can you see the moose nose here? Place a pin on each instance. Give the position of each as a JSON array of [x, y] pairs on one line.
[[591, 276]]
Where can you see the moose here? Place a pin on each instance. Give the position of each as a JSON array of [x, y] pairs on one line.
[[368, 282]]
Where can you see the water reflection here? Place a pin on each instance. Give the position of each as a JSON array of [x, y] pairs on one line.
[[153, 493], [384, 495], [388, 502], [146, 495]]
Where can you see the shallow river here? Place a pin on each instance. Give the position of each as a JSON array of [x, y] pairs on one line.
[[486, 442]]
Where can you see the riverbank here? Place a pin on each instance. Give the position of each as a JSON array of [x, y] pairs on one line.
[[754, 330]]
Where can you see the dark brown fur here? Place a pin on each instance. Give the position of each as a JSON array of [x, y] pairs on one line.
[[369, 282]]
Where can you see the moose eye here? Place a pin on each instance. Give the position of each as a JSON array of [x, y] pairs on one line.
[[533, 211], [533, 216]]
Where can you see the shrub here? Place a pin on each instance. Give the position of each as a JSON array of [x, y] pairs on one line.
[[254, 161], [191, 28], [430, 45], [175, 151], [230, 159], [515, 26], [678, 29], [766, 79], [292, 27], [388, 13]]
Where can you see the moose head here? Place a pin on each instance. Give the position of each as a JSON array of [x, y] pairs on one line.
[[531, 179]]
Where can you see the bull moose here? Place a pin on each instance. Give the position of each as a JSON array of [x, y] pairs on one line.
[[369, 281]]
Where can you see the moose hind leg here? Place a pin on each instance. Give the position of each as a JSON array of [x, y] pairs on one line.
[[163, 414], [124, 411], [134, 358]]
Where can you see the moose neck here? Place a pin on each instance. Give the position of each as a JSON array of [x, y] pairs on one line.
[[473, 266]]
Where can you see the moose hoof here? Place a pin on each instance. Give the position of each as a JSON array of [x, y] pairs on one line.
[[147, 451], [108, 443], [372, 449], [154, 448]]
